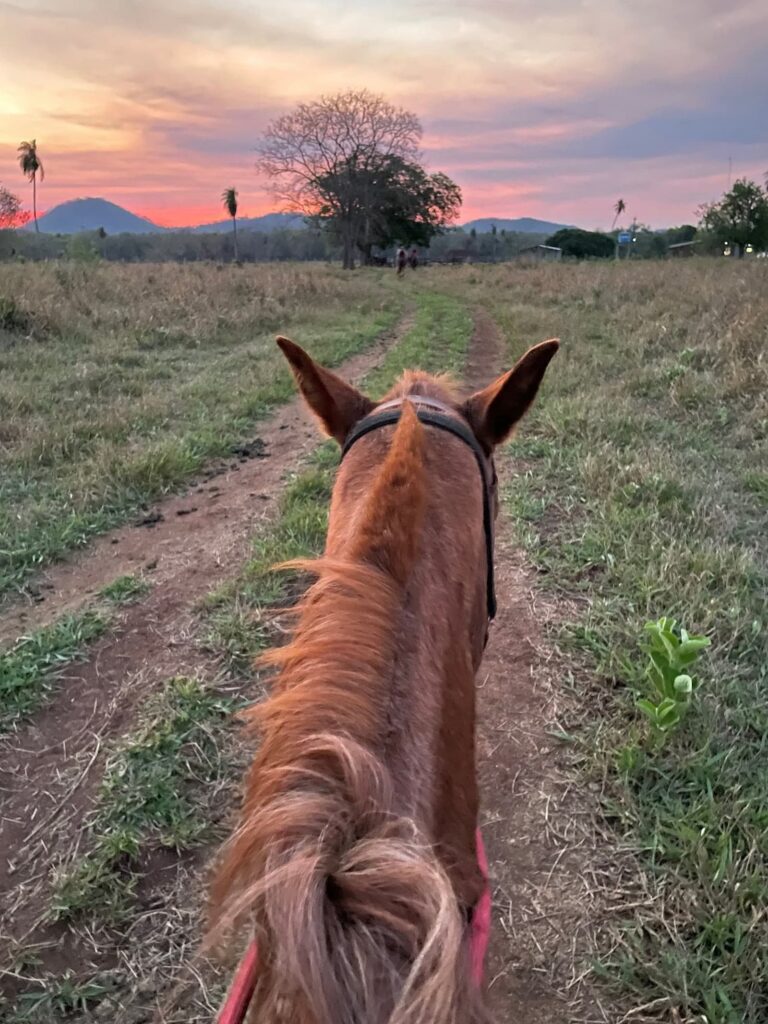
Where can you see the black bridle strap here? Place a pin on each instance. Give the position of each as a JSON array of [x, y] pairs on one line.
[[433, 418]]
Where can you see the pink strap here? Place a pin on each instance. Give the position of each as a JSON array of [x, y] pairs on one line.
[[480, 929], [241, 991]]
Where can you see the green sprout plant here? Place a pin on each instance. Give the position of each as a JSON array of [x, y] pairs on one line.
[[672, 652]]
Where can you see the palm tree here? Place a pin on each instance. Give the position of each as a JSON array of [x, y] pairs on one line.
[[31, 165], [618, 209], [229, 199]]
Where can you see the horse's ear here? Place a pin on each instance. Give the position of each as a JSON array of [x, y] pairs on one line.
[[494, 411], [336, 404]]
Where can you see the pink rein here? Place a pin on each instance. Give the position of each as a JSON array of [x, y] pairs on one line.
[[244, 983]]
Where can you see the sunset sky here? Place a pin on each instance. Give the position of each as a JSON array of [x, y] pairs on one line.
[[546, 108]]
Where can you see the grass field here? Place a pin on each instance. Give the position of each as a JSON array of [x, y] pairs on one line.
[[638, 488], [645, 495], [117, 385]]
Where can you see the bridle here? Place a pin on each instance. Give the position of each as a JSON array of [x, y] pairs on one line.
[[443, 416]]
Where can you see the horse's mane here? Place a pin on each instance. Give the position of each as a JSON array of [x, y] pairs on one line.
[[357, 918]]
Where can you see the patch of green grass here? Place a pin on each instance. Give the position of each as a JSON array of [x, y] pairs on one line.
[[143, 375], [639, 498], [29, 670], [436, 343], [126, 589], [58, 997], [157, 787]]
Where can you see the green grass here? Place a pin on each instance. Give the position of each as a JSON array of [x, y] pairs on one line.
[[29, 670], [437, 342], [158, 791], [640, 493], [128, 379], [126, 589], [58, 998]]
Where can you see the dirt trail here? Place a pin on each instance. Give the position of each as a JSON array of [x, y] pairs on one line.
[[536, 885], [192, 539], [50, 768]]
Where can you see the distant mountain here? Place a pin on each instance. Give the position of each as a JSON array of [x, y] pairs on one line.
[[527, 225], [267, 223], [91, 214]]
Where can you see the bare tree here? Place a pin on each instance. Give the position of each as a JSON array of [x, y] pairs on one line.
[[319, 157], [11, 214]]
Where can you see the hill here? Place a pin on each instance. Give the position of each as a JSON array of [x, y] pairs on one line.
[[525, 225], [267, 223], [90, 214]]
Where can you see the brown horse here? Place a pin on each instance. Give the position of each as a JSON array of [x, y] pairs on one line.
[[354, 859]]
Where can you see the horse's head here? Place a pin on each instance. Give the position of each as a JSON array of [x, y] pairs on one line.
[[455, 467]]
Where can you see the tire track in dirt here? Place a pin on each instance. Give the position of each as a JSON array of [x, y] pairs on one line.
[[50, 768], [535, 878]]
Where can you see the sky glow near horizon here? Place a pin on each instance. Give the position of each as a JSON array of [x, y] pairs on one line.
[[544, 108]]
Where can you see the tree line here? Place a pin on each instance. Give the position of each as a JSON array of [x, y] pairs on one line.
[[309, 243]]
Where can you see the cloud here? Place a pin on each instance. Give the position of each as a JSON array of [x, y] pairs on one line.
[[539, 105]]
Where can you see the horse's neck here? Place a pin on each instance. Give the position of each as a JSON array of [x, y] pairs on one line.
[[428, 724]]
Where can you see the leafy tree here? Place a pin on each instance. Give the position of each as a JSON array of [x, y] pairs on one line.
[[400, 203], [229, 199], [31, 166], [11, 214], [582, 244], [684, 233], [740, 217], [320, 157]]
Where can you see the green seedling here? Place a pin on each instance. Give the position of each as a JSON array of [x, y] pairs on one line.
[[672, 652]]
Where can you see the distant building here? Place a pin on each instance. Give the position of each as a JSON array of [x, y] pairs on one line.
[[682, 249], [540, 254]]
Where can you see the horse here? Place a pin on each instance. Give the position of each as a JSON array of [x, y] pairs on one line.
[[401, 260], [354, 861]]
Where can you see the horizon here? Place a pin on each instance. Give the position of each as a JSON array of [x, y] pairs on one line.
[[241, 216], [534, 109]]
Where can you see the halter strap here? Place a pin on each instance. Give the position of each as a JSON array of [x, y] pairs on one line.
[[438, 414]]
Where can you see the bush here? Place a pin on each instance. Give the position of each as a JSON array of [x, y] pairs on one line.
[[582, 244]]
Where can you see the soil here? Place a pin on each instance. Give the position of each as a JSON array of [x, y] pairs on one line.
[[50, 768], [536, 879]]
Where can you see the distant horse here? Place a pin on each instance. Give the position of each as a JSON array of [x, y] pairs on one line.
[[401, 260], [413, 259], [354, 861]]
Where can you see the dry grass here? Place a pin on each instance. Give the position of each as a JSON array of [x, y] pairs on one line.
[[118, 382], [642, 493]]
